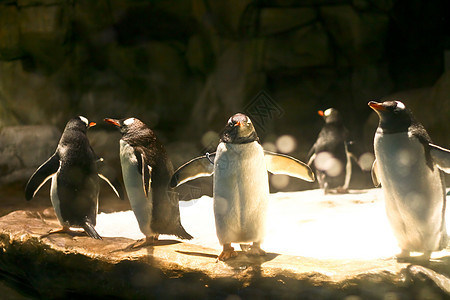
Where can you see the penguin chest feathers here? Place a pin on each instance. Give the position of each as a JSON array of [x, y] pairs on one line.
[[141, 204], [241, 165], [401, 158], [241, 192]]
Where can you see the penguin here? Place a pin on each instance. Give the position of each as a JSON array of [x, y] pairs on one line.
[[329, 155], [240, 184], [146, 171], [73, 169], [409, 166]]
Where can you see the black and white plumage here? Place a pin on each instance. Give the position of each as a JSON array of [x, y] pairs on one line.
[[73, 169], [240, 183], [329, 156], [408, 166], [146, 172]]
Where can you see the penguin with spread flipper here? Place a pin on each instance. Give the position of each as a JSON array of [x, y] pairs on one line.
[[74, 170], [240, 184]]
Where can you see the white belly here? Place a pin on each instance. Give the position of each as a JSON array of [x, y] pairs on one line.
[[413, 192], [140, 204], [55, 198], [241, 192]]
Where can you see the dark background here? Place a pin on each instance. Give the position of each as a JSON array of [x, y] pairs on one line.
[[184, 67]]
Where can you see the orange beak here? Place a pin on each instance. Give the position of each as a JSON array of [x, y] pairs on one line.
[[376, 106], [320, 112], [92, 124], [112, 121], [238, 124]]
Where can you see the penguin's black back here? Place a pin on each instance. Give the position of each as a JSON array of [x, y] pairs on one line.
[[144, 140], [77, 180], [332, 138], [166, 215]]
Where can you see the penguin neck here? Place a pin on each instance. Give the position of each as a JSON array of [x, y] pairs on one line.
[[74, 137], [240, 139], [335, 124], [144, 137]]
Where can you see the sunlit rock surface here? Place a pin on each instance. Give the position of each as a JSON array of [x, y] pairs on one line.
[[318, 246]]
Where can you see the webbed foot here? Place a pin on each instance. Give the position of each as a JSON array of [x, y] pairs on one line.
[[66, 230], [227, 253], [148, 241], [255, 249]]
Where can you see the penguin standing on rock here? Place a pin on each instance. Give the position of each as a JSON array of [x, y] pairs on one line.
[[408, 167], [73, 169], [240, 184], [146, 173], [329, 154]]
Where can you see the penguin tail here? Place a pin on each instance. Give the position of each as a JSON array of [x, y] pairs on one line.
[[182, 233], [90, 230]]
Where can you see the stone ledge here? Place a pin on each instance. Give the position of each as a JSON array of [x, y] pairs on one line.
[[65, 266]]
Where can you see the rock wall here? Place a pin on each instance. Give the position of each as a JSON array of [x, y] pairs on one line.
[[185, 68]]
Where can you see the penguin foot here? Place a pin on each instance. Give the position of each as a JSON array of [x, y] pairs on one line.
[[338, 190], [148, 241], [244, 247], [256, 250], [341, 190], [65, 230], [405, 256], [227, 253]]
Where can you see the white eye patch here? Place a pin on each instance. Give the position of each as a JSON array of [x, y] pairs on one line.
[[86, 121], [327, 112], [400, 105], [128, 121]]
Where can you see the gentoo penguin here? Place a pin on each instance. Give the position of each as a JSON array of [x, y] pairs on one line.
[[73, 169], [146, 171], [408, 167], [240, 183], [329, 155]]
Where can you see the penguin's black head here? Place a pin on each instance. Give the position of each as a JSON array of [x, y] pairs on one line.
[[79, 123], [239, 130], [330, 115], [394, 116]]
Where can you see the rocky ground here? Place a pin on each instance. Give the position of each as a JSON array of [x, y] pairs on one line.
[[319, 247]]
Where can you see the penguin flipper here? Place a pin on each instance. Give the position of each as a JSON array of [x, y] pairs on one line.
[[375, 178], [201, 166], [441, 157], [114, 183], [145, 171], [311, 159], [283, 164], [118, 191], [90, 230], [41, 175]]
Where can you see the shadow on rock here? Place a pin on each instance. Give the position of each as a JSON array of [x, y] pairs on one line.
[[132, 247], [436, 271], [199, 254]]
